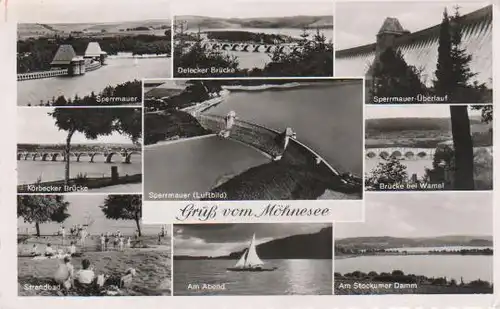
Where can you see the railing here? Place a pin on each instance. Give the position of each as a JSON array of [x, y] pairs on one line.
[[92, 66], [40, 75]]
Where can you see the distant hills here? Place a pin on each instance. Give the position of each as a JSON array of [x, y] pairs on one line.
[[37, 29], [305, 246], [296, 22], [421, 132], [381, 242]]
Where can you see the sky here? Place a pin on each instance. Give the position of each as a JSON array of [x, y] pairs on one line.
[[98, 11], [423, 215], [35, 126], [255, 8], [222, 239], [414, 111], [85, 209], [369, 17]]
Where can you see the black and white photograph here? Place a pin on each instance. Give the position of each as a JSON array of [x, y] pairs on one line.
[[431, 147], [240, 139], [92, 52], [248, 39], [414, 52], [253, 259], [79, 150], [417, 243], [81, 245]]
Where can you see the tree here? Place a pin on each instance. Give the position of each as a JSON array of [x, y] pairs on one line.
[[95, 122], [92, 122], [123, 207], [393, 77], [42, 208], [389, 172], [453, 74], [443, 84], [463, 148]]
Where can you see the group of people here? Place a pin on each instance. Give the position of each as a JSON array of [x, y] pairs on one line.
[[51, 252], [86, 278], [77, 230], [117, 240]]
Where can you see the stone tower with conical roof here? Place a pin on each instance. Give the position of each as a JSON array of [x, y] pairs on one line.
[[391, 29]]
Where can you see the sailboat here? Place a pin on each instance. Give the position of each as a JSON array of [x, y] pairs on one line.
[[250, 261]]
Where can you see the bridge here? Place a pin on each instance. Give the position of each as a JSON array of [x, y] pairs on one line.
[[90, 157], [67, 63], [420, 48], [400, 153], [408, 153], [249, 47]]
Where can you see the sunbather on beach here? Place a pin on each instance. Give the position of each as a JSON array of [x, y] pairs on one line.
[[65, 273], [86, 276], [49, 251], [34, 250]]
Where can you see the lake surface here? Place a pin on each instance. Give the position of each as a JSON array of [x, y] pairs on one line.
[[29, 171], [293, 277], [468, 267], [118, 69], [196, 165], [326, 117]]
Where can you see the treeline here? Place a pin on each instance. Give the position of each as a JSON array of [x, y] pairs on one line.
[[171, 124], [313, 58], [354, 251], [37, 54], [125, 90], [400, 277]]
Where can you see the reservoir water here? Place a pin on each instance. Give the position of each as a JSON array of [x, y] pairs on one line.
[[28, 172], [327, 118], [293, 277], [118, 69], [468, 267]]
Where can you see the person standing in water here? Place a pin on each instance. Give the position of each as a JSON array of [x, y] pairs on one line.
[[103, 242], [121, 243], [129, 245]]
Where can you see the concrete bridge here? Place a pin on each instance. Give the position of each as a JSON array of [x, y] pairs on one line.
[[420, 48], [400, 153], [250, 47], [408, 153], [91, 157]]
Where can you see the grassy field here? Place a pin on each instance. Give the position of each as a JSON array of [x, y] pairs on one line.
[[152, 262], [346, 287]]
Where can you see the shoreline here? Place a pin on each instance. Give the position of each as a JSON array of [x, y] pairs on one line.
[[76, 185]]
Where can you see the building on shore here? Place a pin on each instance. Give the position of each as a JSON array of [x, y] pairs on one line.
[[94, 52], [66, 58]]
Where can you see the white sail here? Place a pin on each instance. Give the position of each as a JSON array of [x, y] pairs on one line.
[[252, 257], [241, 262]]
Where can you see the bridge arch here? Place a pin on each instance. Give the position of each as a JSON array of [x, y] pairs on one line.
[[81, 154], [35, 156], [19, 156], [409, 154], [224, 46], [371, 154], [54, 156], [46, 156], [128, 158], [422, 154], [92, 156], [396, 154], [109, 156], [384, 154], [26, 155]]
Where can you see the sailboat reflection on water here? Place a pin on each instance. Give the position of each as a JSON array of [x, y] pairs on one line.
[[250, 261]]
